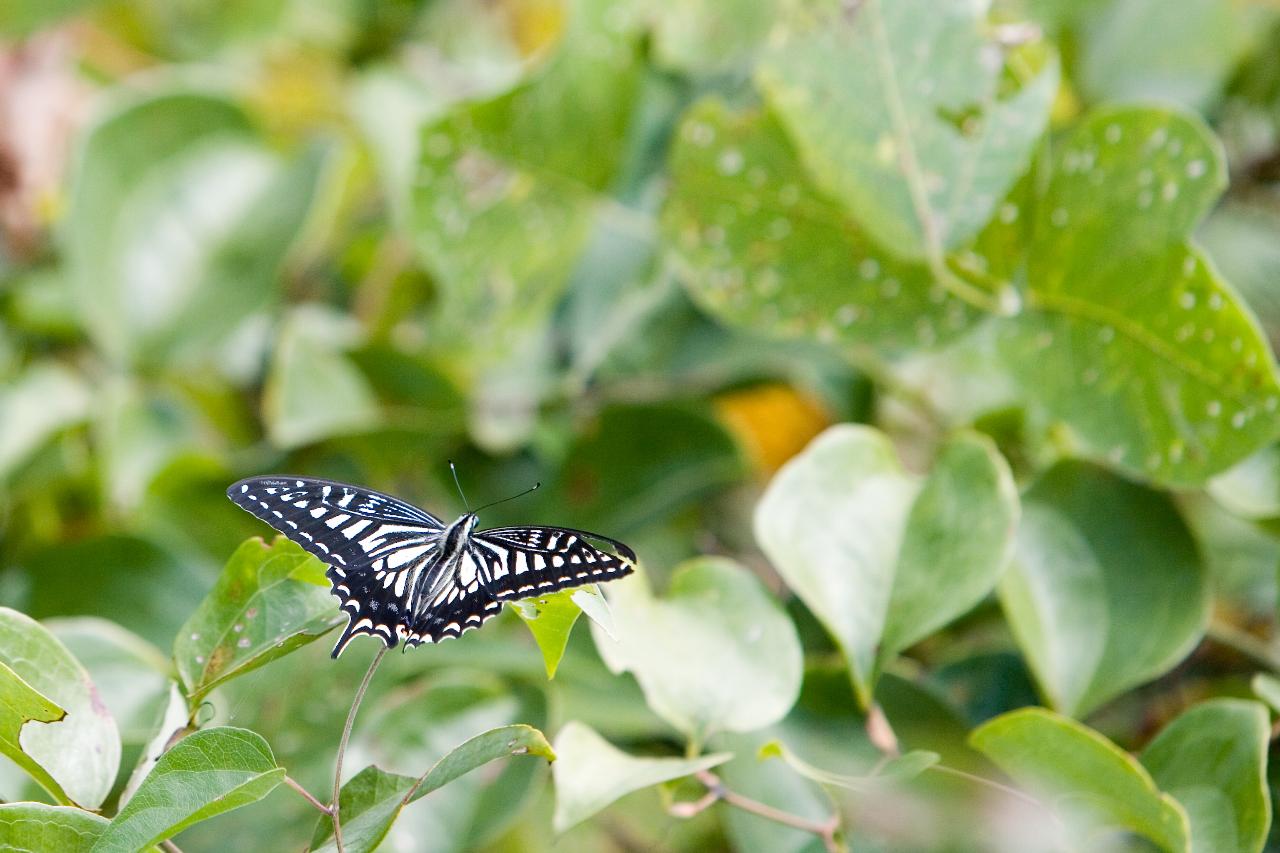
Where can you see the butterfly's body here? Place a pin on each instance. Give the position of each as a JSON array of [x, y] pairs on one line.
[[403, 575]]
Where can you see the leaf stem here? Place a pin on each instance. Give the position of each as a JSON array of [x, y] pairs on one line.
[[306, 795], [717, 792], [342, 748]]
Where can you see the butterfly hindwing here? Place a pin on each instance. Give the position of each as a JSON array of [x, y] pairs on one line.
[[526, 561]]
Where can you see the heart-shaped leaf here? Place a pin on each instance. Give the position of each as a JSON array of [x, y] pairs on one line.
[[269, 600], [1213, 760], [716, 654], [881, 557], [590, 773], [1088, 777], [550, 618], [1106, 589]]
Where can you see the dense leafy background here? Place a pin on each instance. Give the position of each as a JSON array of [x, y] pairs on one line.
[[923, 350]]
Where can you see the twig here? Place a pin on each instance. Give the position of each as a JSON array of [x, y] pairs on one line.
[[306, 795], [717, 792], [169, 847], [334, 807], [1259, 650]]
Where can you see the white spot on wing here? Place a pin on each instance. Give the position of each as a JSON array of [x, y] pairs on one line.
[[337, 520]]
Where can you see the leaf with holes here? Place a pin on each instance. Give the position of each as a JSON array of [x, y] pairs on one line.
[[78, 751], [269, 600], [759, 245], [203, 775], [1106, 589], [905, 112], [1128, 335]]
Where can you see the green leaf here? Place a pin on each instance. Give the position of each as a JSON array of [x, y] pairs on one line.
[[173, 724], [1129, 336], [760, 246], [881, 557], [1087, 777], [1251, 489], [550, 618], [42, 400], [203, 775], [371, 801], [590, 773], [1267, 688], [698, 36], [131, 674], [1133, 50], [916, 134], [179, 223], [21, 703], [716, 654], [81, 750], [505, 188], [900, 768], [313, 391], [1106, 589], [269, 600], [35, 827], [1213, 760]]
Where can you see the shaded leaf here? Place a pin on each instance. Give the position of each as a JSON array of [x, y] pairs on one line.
[[1088, 777], [79, 751], [1251, 488], [172, 725], [178, 224], [372, 799], [269, 600], [21, 703], [203, 775], [590, 773], [1106, 589], [716, 654], [35, 405], [1267, 688], [1213, 760], [880, 557]]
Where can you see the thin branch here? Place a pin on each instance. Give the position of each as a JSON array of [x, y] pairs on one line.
[[342, 749], [1259, 650], [169, 847], [306, 795], [717, 792]]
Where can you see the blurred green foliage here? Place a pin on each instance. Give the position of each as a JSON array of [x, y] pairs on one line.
[[990, 288]]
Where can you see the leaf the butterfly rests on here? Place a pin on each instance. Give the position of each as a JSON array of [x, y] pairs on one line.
[[402, 574]]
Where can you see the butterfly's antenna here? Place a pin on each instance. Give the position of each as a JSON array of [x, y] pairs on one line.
[[532, 488], [454, 469]]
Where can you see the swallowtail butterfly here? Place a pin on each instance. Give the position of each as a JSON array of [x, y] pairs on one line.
[[402, 574]]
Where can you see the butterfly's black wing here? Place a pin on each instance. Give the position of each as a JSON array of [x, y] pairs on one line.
[[521, 562], [376, 545]]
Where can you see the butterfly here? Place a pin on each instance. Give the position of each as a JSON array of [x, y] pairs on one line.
[[403, 574]]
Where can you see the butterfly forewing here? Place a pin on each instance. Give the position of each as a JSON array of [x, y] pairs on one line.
[[397, 572]]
